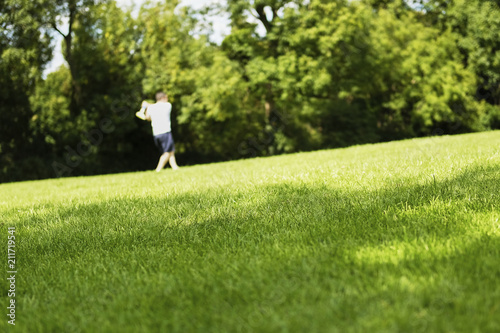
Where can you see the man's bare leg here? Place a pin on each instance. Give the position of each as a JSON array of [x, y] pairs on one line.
[[163, 161], [173, 162]]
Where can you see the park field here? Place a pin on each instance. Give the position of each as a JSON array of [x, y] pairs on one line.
[[392, 237]]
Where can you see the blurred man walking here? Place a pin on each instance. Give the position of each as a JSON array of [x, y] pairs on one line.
[[159, 116]]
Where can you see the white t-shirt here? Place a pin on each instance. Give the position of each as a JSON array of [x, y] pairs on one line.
[[160, 117]]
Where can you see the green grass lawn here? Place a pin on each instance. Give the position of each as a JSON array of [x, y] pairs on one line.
[[393, 237]]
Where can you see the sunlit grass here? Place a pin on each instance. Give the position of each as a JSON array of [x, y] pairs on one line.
[[395, 237]]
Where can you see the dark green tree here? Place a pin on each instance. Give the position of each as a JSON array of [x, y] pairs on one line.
[[24, 50], [98, 136]]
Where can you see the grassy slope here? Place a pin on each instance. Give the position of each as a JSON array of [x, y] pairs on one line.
[[396, 237]]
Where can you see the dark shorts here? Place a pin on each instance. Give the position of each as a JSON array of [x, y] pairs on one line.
[[165, 142]]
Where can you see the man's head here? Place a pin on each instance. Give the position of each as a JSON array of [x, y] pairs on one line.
[[161, 97]]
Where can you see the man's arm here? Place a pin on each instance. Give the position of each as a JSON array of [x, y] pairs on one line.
[[145, 106]]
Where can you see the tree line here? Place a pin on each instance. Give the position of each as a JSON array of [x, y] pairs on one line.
[[290, 76]]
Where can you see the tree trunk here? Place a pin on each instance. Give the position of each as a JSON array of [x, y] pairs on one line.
[[76, 90]]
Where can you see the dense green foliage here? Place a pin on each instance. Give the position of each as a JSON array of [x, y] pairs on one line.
[[291, 76], [393, 237]]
